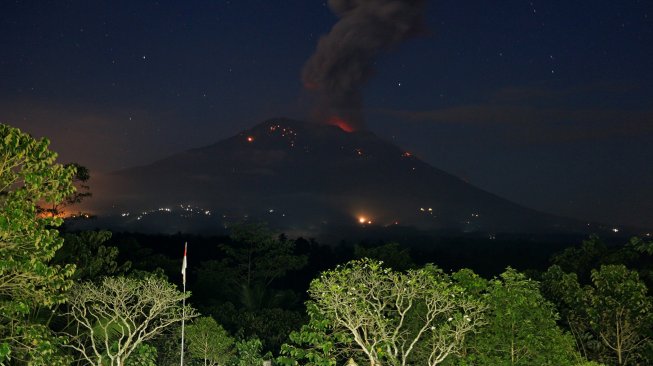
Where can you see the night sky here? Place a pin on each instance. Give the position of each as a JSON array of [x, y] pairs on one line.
[[547, 103]]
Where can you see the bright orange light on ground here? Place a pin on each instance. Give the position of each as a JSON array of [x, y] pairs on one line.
[[364, 220], [250, 139]]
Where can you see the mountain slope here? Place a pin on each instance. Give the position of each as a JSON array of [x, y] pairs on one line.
[[296, 174]]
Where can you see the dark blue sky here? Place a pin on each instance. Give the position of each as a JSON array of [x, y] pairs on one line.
[[547, 103]]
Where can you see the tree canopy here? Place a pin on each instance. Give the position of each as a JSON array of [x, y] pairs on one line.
[[397, 318], [29, 176], [113, 319], [521, 326]]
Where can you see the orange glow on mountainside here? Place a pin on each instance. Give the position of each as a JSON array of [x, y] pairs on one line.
[[337, 121]]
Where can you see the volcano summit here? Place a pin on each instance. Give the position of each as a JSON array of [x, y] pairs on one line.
[[293, 174]]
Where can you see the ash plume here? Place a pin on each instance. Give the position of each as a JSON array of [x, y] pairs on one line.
[[344, 58]]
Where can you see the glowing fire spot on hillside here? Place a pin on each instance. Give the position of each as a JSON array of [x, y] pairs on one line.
[[250, 138], [364, 220], [337, 121]]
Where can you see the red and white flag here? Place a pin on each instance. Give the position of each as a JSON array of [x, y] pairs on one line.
[[184, 264]]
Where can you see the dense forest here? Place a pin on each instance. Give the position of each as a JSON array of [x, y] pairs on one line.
[[258, 296]]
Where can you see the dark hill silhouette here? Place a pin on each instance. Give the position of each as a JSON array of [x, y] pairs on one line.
[[304, 175]]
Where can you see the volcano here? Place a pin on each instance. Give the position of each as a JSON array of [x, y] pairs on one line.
[[304, 175]]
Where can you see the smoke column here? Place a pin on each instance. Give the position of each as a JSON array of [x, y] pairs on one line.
[[343, 60]]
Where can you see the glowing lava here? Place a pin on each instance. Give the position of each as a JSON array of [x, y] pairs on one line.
[[337, 121]]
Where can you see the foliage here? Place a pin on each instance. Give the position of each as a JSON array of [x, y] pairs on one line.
[[124, 311], [641, 245], [91, 257], [240, 286], [256, 256], [393, 255], [215, 281], [611, 318], [144, 355], [44, 347], [209, 342], [592, 253], [272, 326], [168, 345], [389, 315], [521, 326], [569, 298], [316, 343], [619, 312], [81, 192], [28, 176], [249, 353], [644, 247]]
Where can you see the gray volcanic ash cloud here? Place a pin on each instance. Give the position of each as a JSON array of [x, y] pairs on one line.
[[344, 58]]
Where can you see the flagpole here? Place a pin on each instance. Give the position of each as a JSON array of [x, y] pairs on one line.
[[183, 303]]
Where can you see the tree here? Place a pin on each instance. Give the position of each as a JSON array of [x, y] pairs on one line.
[[389, 315], [640, 245], [392, 255], [29, 176], [610, 318], [249, 353], [113, 319], [167, 346], [644, 247], [592, 253], [209, 342], [80, 180], [257, 256], [271, 325], [317, 343], [566, 293], [521, 327], [620, 312], [81, 192], [581, 259], [241, 285], [92, 258]]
